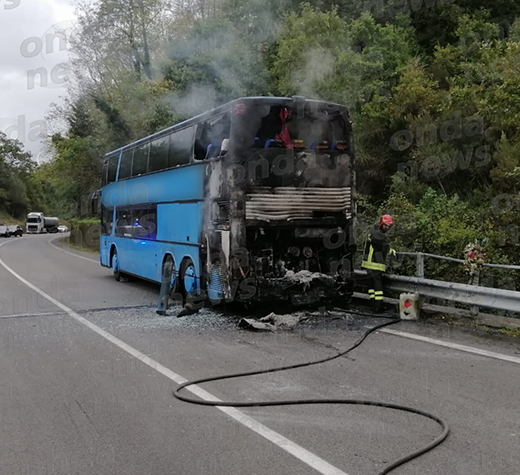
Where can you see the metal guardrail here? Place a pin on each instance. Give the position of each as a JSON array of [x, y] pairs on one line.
[[472, 295], [420, 257]]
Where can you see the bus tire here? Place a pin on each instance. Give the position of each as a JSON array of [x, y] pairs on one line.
[[116, 271], [188, 277], [174, 283]]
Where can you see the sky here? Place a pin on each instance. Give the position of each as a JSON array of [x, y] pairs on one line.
[[33, 67]]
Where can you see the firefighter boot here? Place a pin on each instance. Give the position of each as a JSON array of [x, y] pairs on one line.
[[378, 306]]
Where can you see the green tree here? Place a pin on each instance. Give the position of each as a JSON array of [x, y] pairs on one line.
[[15, 168]]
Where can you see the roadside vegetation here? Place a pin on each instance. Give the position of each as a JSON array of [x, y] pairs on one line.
[[9, 220], [433, 86], [84, 233]]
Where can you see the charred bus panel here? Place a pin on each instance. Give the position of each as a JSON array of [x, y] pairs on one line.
[[281, 203]]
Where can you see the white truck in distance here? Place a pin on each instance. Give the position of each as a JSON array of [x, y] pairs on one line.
[[37, 223]]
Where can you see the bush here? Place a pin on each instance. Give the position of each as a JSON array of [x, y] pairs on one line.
[[85, 233]]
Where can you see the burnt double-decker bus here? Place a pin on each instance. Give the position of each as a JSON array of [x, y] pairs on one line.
[[251, 201]]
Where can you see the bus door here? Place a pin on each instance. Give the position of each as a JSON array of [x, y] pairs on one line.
[[144, 252], [105, 240]]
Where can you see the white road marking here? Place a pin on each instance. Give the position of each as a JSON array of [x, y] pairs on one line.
[[31, 315], [71, 253], [453, 346], [307, 457]]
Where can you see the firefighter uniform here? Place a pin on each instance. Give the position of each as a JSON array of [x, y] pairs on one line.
[[374, 260]]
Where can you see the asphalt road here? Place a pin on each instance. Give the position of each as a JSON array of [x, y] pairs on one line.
[[88, 370]]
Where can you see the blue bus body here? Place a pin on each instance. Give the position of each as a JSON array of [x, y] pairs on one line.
[[177, 196], [241, 199]]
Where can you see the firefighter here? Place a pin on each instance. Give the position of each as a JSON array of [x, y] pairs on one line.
[[374, 258]]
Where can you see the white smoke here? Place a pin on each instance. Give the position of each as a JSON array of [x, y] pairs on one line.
[[318, 65], [199, 98]]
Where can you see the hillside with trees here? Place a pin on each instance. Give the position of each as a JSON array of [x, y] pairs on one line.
[[433, 86]]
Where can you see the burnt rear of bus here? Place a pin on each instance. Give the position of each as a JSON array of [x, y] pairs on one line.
[[281, 203]]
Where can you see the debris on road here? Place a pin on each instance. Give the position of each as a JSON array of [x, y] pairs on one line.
[[271, 322], [255, 325], [305, 277], [188, 309]]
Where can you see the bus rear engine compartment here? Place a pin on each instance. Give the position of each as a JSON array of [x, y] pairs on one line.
[[295, 264]]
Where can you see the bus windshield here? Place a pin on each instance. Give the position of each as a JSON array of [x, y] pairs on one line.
[[264, 126]]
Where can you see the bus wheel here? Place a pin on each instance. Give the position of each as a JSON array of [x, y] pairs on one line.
[[118, 275], [188, 277], [174, 285]]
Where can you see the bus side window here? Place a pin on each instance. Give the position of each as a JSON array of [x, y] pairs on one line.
[[159, 154], [125, 168], [106, 220], [140, 161], [181, 147], [144, 223], [104, 173], [123, 223], [201, 142], [112, 168], [210, 135]]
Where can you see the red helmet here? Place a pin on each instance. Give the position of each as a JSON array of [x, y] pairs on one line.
[[386, 219]]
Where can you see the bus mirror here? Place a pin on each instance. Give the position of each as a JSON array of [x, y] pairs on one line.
[[95, 203]]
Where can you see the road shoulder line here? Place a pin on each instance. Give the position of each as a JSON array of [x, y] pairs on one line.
[[453, 346], [51, 243]]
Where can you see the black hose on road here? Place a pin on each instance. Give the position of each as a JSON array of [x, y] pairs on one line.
[[361, 402]]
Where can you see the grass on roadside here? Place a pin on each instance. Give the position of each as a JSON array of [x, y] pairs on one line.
[[79, 247], [472, 325], [514, 332], [84, 234], [9, 220]]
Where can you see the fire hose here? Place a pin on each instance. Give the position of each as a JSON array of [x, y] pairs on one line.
[[361, 402]]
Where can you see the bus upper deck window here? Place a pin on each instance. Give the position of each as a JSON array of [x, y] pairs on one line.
[[181, 147], [140, 161], [210, 137], [104, 173], [112, 168], [125, 168], [159, 154]]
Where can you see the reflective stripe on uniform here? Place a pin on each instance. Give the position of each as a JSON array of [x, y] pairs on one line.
[[370, 253], [378, 295], [373, 266], [372, 293]]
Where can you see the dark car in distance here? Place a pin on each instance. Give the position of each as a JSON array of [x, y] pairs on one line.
[[8, 231], [16, 231]]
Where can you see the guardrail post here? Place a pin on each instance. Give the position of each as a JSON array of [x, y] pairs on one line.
[[475, 280], [409, 306], [420, 265]]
